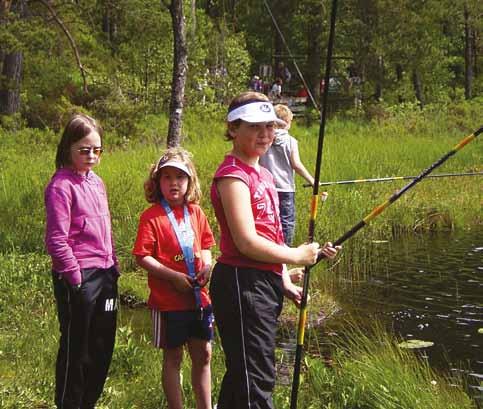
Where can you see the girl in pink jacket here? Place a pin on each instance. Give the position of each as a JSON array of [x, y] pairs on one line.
[[84, 267]]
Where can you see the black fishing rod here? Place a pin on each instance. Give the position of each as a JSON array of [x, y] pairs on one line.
[[313, 214], [379, 209], [390, 179]]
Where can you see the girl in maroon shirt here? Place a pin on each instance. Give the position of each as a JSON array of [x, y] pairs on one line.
[[250, 278]]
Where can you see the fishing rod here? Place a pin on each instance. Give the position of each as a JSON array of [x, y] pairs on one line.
[[389, 179], [309, 93], [379, 209], [313, 215]]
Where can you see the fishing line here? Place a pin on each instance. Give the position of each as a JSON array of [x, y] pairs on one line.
[[395, 196], [313, 215], [309, 93], [392, 178]]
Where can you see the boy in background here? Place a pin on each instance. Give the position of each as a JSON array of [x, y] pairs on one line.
[[283, 160]]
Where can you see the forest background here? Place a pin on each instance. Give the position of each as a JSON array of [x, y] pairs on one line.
[[114, 59]]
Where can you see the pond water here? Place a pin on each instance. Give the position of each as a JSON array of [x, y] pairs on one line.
[[429, 288]]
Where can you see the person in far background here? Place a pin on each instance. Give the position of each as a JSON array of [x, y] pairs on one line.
[[282, 72], [84, 266], [276, 90], [173, 245], [283, 160], [302, 92], [256, 84], [322, 86]]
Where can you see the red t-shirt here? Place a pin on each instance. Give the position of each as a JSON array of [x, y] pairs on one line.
[[264, 204], [157, 238]]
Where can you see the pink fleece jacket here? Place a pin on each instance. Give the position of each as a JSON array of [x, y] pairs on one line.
[[78, 230]]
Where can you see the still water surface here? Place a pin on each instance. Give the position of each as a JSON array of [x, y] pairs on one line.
[[429, 288]]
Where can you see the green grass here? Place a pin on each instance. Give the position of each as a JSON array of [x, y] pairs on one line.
[[369, 372], [353, 151]]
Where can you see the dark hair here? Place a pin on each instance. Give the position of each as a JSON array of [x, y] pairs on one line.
[[240, 99], [78, 127]]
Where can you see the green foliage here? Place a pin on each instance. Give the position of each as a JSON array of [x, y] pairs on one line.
[[371, 371], [128, 359], [11, 123], [119, 114], [128, 73], [25, 279], [129, 70]]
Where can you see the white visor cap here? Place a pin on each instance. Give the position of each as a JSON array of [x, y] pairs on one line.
[[254, 112], [175, 164]]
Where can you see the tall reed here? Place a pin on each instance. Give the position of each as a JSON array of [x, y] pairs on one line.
[[376, 374]]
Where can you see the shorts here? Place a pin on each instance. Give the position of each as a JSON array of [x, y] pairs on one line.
[[172, 329]]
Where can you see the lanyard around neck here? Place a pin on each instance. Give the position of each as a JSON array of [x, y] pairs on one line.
[[186, 237]]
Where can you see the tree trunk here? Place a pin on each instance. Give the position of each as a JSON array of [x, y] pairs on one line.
[[12, 66], [399, 78], [314, 50], [180, 71], [10, 84], [109, 23], [468, 55], [418, 88], [211, 9], [379, 79], [193, 20], [476, 71], [4, 9]]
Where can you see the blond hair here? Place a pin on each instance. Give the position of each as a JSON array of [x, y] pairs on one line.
[[284, 113], [239, 99], [152, 191]]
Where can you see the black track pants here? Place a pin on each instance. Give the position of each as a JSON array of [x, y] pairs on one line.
[[87, 319], [246, 305]]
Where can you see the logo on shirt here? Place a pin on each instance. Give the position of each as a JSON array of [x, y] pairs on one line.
[[180, 257], [264, 208]]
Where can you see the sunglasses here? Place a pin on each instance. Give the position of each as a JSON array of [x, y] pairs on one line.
[[96, 150]]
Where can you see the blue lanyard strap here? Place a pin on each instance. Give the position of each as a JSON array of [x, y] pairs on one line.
[[186, 238]]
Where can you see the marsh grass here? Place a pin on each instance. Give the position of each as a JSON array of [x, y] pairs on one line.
[[368, 369], [356, 152], [371, 371], [368, 373], [27, 330]]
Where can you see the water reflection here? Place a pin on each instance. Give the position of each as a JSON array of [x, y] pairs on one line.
[[429, 288]]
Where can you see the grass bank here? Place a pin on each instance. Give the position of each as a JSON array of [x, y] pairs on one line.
[[368, 374], [368, 371], [352, 150]]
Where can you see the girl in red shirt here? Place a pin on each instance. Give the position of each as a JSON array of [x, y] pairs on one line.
[[250, 278], [173, 245]]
